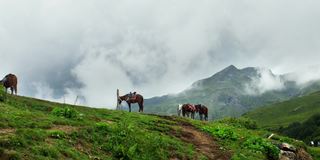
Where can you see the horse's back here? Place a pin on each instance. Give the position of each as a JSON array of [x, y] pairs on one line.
[[10, 80]]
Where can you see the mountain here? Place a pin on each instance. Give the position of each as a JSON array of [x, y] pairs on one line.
[[282, 114], [232, 92], [33, 129]]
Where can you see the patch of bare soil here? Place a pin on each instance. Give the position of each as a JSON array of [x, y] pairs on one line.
[[4, 131]]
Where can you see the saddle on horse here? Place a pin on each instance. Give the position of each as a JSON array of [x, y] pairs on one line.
[[133, 95]]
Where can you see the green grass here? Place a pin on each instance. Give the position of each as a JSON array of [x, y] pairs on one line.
[[315, 152], [284, 113], [246, 141], [34, 129]]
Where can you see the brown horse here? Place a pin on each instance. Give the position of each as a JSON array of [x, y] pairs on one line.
[[188, 109], [129, 99], [202, 110], [10, 81]]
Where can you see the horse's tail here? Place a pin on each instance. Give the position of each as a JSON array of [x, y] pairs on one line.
[[206, 113]]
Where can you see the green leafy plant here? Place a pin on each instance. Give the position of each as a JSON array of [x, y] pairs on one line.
[[65, 112], [221, 132], [259, 144]]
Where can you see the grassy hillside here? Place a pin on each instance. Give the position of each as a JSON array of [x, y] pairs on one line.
[[284, 113], [35, 129]]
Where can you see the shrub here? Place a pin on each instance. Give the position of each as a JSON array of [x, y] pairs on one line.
[[261, 145], [65, 112], [221, 132]]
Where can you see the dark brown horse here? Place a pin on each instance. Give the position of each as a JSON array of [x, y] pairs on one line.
[[10, 81], [137, 98], [188, 109], [202, 110]]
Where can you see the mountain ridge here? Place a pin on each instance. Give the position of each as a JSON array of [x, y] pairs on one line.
[[227, 92]]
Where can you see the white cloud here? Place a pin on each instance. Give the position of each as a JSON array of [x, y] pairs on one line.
[[265, 81]]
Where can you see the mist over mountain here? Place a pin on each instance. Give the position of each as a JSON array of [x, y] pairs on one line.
[[233, 91]]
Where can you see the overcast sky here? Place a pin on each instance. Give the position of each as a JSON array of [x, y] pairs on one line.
[[89, 48]]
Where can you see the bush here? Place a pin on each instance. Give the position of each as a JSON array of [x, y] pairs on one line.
[[261, 145], [65, 112], [221, 132]]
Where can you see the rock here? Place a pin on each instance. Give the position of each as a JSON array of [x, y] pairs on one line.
[[287, 147], [289, 152], [287, 155], [303, 155]]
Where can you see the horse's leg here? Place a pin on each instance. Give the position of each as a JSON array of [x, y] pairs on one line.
[[140, 107], [129, 104], [11, 88], [15, 89]]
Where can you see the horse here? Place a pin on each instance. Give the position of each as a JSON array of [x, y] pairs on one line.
[[179, 109], [202, 110], [188, 109], [128, 98], [10, 81]]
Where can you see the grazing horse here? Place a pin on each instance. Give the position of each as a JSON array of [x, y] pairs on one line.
[[129, 99], [188, 109], [179, 109], [202, 110], [10, 81]]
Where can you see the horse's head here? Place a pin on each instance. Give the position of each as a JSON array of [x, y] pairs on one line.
[[123, 98]]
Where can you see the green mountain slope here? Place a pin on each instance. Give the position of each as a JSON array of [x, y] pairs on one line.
[[35, 129], [226, 93], [284, 113]]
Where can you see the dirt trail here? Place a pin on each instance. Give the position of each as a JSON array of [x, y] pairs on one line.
[[203, 142]]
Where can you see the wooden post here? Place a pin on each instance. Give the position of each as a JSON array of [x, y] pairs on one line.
[[75, 102], [118, 105]]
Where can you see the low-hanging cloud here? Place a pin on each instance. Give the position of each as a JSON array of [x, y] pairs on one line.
[[264, 81], [66, 48]]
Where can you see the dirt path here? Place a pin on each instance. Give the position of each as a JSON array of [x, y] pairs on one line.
[[203, 142]]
